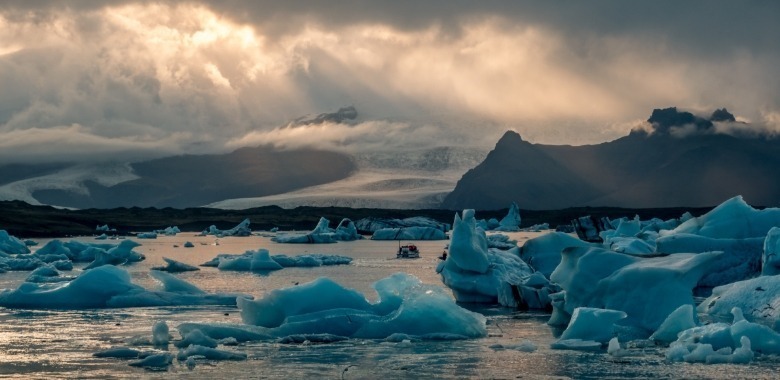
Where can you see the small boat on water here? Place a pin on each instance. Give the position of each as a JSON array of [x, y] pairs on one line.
[[408, 251]]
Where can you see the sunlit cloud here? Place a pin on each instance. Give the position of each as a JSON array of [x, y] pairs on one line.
[[203, 77]]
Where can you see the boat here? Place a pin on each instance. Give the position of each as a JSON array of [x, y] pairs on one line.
[[408, 251]]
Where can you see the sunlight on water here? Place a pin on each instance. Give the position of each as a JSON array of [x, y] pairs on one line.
[[59, 344]]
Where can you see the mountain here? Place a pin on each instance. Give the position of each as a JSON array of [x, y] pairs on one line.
[[180, 181], [684, 160]]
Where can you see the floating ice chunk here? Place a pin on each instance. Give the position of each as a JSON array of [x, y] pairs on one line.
[[160, 334], [209, 353], [259, 261], [220, 331], [762, 338], [373, 224], [576, 344], [158, 361], [188, 244], [524, 346], [245, 260], [196, 337], [12, 245], [322, 234], [47, 274], [647, 289], [732, 219], [759, 297], [174, 266], [146, 235], [679, 320], [172, 284], [323, 306], [592, 324], [118, 352], [543, 253], [705, 353], [770, 260], [614, 349], [409, 233], [242, 229], [101, 237], [168, 231]]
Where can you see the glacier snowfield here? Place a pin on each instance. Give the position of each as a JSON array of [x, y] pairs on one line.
[[61, 343]]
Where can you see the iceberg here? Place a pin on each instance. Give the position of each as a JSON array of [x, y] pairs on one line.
[[404, 306], [209, 353], [591, 324], [116, 255], [174, 266], [168, 231], [759, 297], [500, 241], [476, 273], [770, 260], [373, 224], [157, 361], [511, 222], [647, 289], [146, 235], [409, 233], [196, 337], [108, 287], [11, 245], [679, 320], [188, 244], [543, 253], [732, 219], [322, 234], [311, 260], [253, 261], [160, 334], [242, 229]]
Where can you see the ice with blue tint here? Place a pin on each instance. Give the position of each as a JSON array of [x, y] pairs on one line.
[[536, 228], [714, 343], [310, 260], [511, 222], [770, 260], [146, 235], [373, 224], [543, 253], [322, 234], [209, 353], [110, 286], [409, 233], [196, 337], [732, 219], [596, 325], [168, 231], [647, 289], [157, 361], [160, 334], [500, 241], [174, 266], [101, 237], [758, 297], [679, 320], [741, 258], [478, 274], [116, 255], [252, 261], [11, 245], [47, 274], [242, 229], [405, 305]]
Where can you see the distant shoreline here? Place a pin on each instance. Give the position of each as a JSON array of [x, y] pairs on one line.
[[27, 221]]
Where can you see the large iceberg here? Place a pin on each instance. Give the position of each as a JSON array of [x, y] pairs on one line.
[[409, 233], [647, 289], [110, 286], [405, 306], [732, 219], [345, 231], [476, 273]]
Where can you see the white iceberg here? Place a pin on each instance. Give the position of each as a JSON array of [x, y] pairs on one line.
[[758, 297]]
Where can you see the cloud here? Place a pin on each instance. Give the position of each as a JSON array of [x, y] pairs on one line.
[[200, 76]]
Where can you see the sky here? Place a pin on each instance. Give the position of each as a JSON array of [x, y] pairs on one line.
[[91, 80]]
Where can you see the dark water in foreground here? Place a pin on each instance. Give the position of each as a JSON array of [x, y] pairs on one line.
[[59, 344]]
